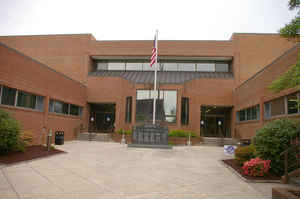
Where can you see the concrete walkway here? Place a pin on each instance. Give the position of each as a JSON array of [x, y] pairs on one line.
[[109, 170]]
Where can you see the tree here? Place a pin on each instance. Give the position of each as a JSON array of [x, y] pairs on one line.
[[291, 31]]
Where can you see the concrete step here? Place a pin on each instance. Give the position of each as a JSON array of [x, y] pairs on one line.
[[101, 137], [215, 141]]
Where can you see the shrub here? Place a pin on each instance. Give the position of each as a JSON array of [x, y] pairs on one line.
[[244, 153], [256, 167], [182, 133], [9, 132], [121, 131], [274, 138]]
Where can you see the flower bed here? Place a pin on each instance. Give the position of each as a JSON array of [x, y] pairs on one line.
[[183, 140], [238, 168]]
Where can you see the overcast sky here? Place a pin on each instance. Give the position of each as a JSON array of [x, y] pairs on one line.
[[138, 19]]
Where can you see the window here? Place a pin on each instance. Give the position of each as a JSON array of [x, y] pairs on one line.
[[277, 106], [292, 103], [128, 109], [56, 106], [116, 66], [267, 109], [184, 111], [26, 100], [134, 66], [8, 96], [206, 67], [74, 110], [186, 66], [19, 98], [169, 66], [251, 113], [165, 105], [222, 67]]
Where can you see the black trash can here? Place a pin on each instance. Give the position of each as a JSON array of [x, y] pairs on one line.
[[59, 137]]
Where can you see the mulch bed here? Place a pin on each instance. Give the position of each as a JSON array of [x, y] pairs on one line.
[[32, 152], [233, 164], [297, 193]]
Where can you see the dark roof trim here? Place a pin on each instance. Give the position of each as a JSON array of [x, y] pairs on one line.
[[269, 65], [42, 64]]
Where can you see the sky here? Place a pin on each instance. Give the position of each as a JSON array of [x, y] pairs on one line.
[[139, 19]]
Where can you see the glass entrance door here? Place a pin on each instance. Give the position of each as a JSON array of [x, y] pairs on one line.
[[215, 121]]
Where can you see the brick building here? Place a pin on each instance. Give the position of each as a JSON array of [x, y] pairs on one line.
[[59, 82]]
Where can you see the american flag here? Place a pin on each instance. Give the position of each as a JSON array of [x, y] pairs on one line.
[[153, 56]]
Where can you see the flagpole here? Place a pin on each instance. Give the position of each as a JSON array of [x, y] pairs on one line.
[[155, 76]]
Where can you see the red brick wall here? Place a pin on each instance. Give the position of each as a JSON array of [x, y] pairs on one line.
[[200, 91], [21, 72], [68, 54], [255, 91], [252, 52]]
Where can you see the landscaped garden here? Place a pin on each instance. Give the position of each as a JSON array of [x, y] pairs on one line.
[[264, 158], [16, 145]]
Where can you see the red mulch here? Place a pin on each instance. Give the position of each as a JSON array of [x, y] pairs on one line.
[[297, 193], [32, 152], [236, 166]]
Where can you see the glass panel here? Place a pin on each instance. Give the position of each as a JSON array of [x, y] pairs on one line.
[[26, 100], [242, 115], [147, 67], [292, 103], [102, 66], [184, 111], [258, 112], [267, 109], [74, 110], [277, 107], [40, 103], [248, 113], [51, 106], [143, 94], [169, 66], [80, 111], [222, 67], [208, 67], [116, 66], [254, 113], [8, 96], [186, 66], [134, 66], [61, 107]]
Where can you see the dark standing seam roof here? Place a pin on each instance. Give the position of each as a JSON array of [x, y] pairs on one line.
[[166, 77]]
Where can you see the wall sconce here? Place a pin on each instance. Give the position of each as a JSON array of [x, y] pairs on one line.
[[219, 123], [202, 122]]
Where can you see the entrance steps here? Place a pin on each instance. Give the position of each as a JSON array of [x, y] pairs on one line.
[[216, 141], [101, 137]]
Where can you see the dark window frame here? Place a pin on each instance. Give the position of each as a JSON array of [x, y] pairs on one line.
[[128, 110], [185, 112]]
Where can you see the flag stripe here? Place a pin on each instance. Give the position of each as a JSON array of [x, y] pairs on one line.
[[153, 56]]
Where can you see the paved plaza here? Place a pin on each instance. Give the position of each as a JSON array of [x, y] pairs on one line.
[[110, 170]]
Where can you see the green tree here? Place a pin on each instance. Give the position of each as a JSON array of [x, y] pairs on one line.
[[291, 31]]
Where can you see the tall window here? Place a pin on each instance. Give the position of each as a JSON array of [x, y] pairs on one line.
[[128, 109], [19, 98], [166, 105], [292, 103], [185, 111], [251, 113]]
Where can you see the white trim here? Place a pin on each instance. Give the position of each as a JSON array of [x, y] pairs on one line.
[[16, 97]]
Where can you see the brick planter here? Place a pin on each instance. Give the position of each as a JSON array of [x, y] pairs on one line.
[[183, 141]]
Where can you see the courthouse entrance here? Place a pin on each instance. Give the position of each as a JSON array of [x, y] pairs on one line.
[[103, 117], [215, 121]]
